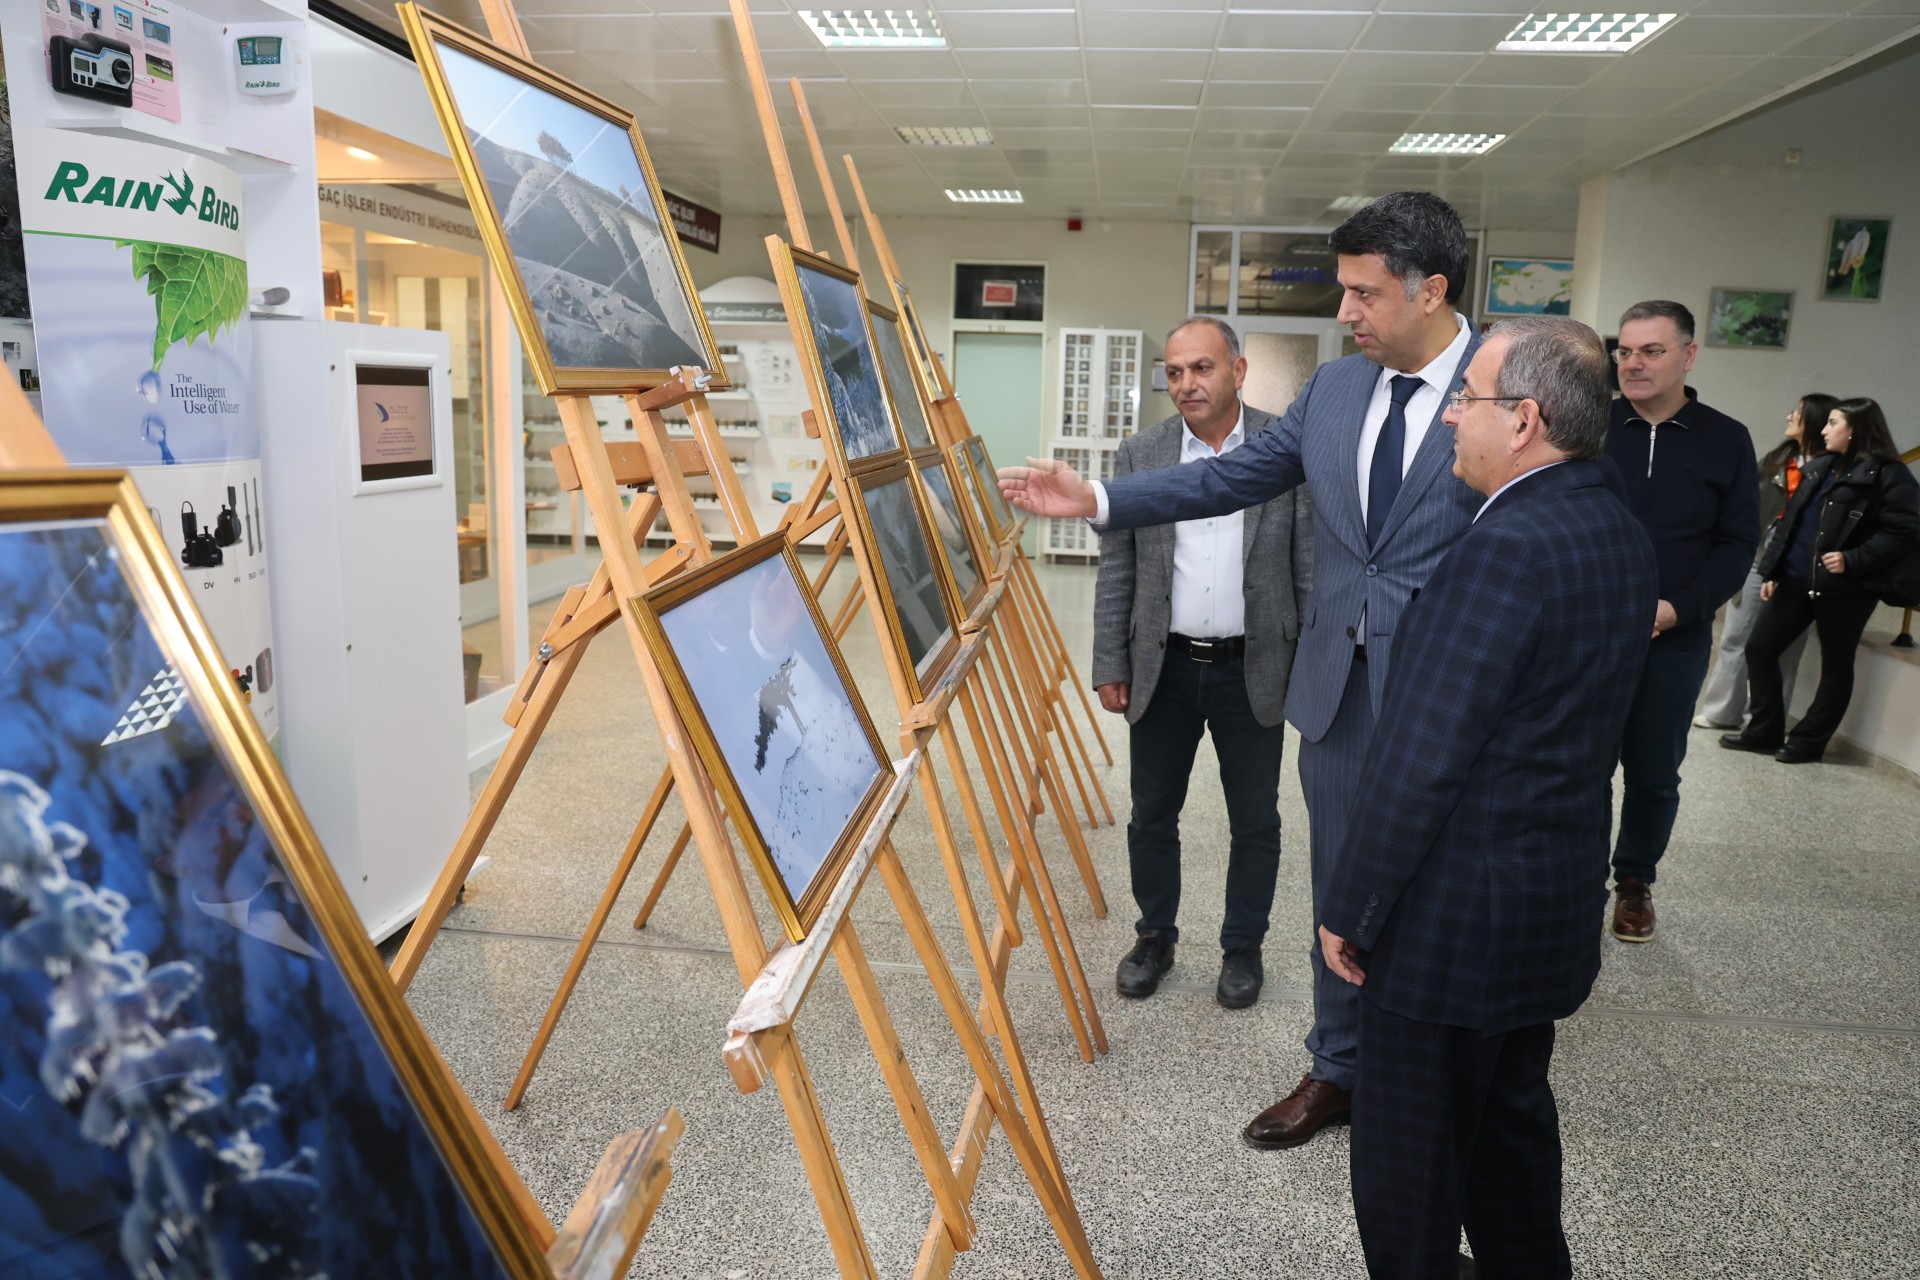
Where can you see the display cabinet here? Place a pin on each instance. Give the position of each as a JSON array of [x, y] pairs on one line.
[[1099, 407]]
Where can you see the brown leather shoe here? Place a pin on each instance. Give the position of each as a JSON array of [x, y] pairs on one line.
[[1633, 910], [1311, 1106]]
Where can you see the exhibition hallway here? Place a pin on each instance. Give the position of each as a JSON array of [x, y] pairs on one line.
[[1737, 1099]]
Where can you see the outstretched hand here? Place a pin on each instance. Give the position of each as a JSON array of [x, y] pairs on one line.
[[1048, 488]]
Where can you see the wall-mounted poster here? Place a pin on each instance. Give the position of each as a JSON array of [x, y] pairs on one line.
[[1529, 287], [1856, 259], [206, 1069], [395, 418], [572, 215], [773, 714], [830, 326], [1756, 318], [997, 291]]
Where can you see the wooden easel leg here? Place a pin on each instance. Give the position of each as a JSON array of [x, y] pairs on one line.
[[1033, 868], [665, 874], [1019, 730], [1055, 1196], [872, 1008], [608, 896], [1044, 696], [1025, 573], [781, 1052], [977, 827], [1048, 670], [848, 609]]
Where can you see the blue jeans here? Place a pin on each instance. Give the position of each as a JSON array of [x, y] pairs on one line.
[[1651, 749]]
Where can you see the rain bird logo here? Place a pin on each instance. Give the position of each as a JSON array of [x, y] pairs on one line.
[[182, 198], [72, 182]]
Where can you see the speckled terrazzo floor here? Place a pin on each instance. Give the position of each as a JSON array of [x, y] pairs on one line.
[[1739, 1098]]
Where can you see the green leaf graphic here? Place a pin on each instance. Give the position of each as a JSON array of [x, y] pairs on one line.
[[195, 292]]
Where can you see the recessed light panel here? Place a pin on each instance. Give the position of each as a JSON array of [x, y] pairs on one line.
[[972, 196], [1446, 144], [1582, 32], [1347, 204], [944, 135], [874, 28]]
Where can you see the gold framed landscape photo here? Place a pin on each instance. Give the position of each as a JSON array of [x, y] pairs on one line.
[[960, 556], [834, 336], [567, 202], [207, 1069], [920, 616], [773, 715], [902, 383], [986, 481]]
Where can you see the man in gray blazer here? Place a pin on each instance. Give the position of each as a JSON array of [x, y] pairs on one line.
[[1194, 626], [1365, 434]]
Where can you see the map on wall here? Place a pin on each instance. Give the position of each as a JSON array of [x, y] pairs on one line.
[[1529, 287]]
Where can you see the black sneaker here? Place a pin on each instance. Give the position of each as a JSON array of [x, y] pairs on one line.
[[1241, 975], [1141, 969]]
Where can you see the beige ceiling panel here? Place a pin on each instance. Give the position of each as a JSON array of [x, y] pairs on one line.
[[714, 32], [1516, 102], [1265, 157], [605, 34], [1436, 33], [806, 64], [1539, 70], [1707, 33], [1369, 95], [1259, 94], [1021, 64], [1407, 68], [1512, 8], [1581, 131], [908, 93], [757, 8], [951, 116], [1266, 64], [1253, 119], [1150, 139], [1040, 117], [1333, 120], [1158, 93], [1693, 71], [1610, 96], [997, 93], [1144, 65], [898, 64], [1341, 143], [1245, 30], [1022, 141], [1171, 29], [1854, 35], [1769, 74], [1259, 139], [1056, 28], [1181, 118]]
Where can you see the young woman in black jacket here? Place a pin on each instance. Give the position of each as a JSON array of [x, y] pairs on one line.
[[1856, 512]]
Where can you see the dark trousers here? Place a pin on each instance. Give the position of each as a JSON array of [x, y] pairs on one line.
[[1192, 698], [1452, 1129], [1839, 620], [1651, 749]]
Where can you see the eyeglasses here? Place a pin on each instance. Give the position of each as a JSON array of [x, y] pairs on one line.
[[1623, 354], [1460, 399]]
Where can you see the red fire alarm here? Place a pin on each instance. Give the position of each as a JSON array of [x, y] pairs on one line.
[[1073, 224]]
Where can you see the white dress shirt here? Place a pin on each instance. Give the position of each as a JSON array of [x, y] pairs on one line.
[[1422, 408], [1509, 484], [1208, 602]]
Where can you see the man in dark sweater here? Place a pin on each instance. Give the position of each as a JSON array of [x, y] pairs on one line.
[[1689, 477]]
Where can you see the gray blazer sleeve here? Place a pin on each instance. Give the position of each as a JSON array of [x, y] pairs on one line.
[[1113, 594]]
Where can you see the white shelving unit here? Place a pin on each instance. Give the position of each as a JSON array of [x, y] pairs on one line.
[[1099, 407]]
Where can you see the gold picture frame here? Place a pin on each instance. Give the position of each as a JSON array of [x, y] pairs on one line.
[[963, 556], [135, 747], [917, 338], [889, 516], [910, 400], [1001, 519], [721, 662], [590, 295], [870, 434]]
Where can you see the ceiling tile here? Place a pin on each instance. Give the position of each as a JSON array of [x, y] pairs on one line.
[[1607, 96], [1262, 138], [1176, 29], [1436, 33], [1366, 95], [1510, 100], [1336, 120], [1022, 64], [1142, 117], [1011, 29], [807, 64], [1538, 69], [995, 93], [1777, 72], [1249, 118], [715, 31], [603, 34], [1038, 117], [1018, 141], [932, 116], [1244, 30], [1159, 93], [897, 64], [1407, 68], [1697, 71], [1144, 139], [1261, 64], [1508, 7], [907, 93], [1707, 33], [1854, 35], [1260, 94], [1144, 66]]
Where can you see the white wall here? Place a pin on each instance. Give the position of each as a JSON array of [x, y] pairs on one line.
[[1728, 210]]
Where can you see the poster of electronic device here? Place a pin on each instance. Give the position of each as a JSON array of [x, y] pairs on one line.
[[120, 52]]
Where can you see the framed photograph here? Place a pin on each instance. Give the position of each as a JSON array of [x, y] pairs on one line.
[[973, 502], [774, 716], [1856, 259], [902, 383], [917, 335], [206, 1066], [1755, 318], [1000, 513], [958, 553], [828, 316], [1529, 287], [565, 195], [900, 547], [999, 291]]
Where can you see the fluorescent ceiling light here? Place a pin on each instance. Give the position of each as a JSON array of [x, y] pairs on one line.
[[1446, 144], [972, 196], [874, 29], [1347, 204], [1582, 32], [944, 135], [361, 153]]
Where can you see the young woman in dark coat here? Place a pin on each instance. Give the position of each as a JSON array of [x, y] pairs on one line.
[[1856, 513]]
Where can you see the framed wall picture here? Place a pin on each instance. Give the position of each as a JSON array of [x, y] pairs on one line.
[[917, 335], [394, 430], [1753, 318], [902, 382], [999, 511], [207, 1068], [571, 213], [999, 291], [1856, 259], [973, 502], [1528, 287], [774, 716], [959, 555], [899, 544], [831, 329]]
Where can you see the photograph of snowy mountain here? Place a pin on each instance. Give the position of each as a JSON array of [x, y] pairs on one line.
[[906, 397], [192, 1086], [783, 718], [595, 254], [838, 319], [908, 562]]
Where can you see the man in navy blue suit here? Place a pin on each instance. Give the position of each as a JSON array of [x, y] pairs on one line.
[[1468, 897]]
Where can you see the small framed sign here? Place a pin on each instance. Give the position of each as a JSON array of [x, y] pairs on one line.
[[394, 427], [999, 293]]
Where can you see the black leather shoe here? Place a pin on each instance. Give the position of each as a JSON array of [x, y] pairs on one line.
[[1143, 967], [1741, 742], [1799, 753], [1241, 975]]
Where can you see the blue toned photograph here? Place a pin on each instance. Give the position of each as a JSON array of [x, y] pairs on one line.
[[906, 396], [946, 523], [784, 720], [907, 561], [837, 319], [571, 192], [1529, 287], [191, 1086], [983, 470]]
